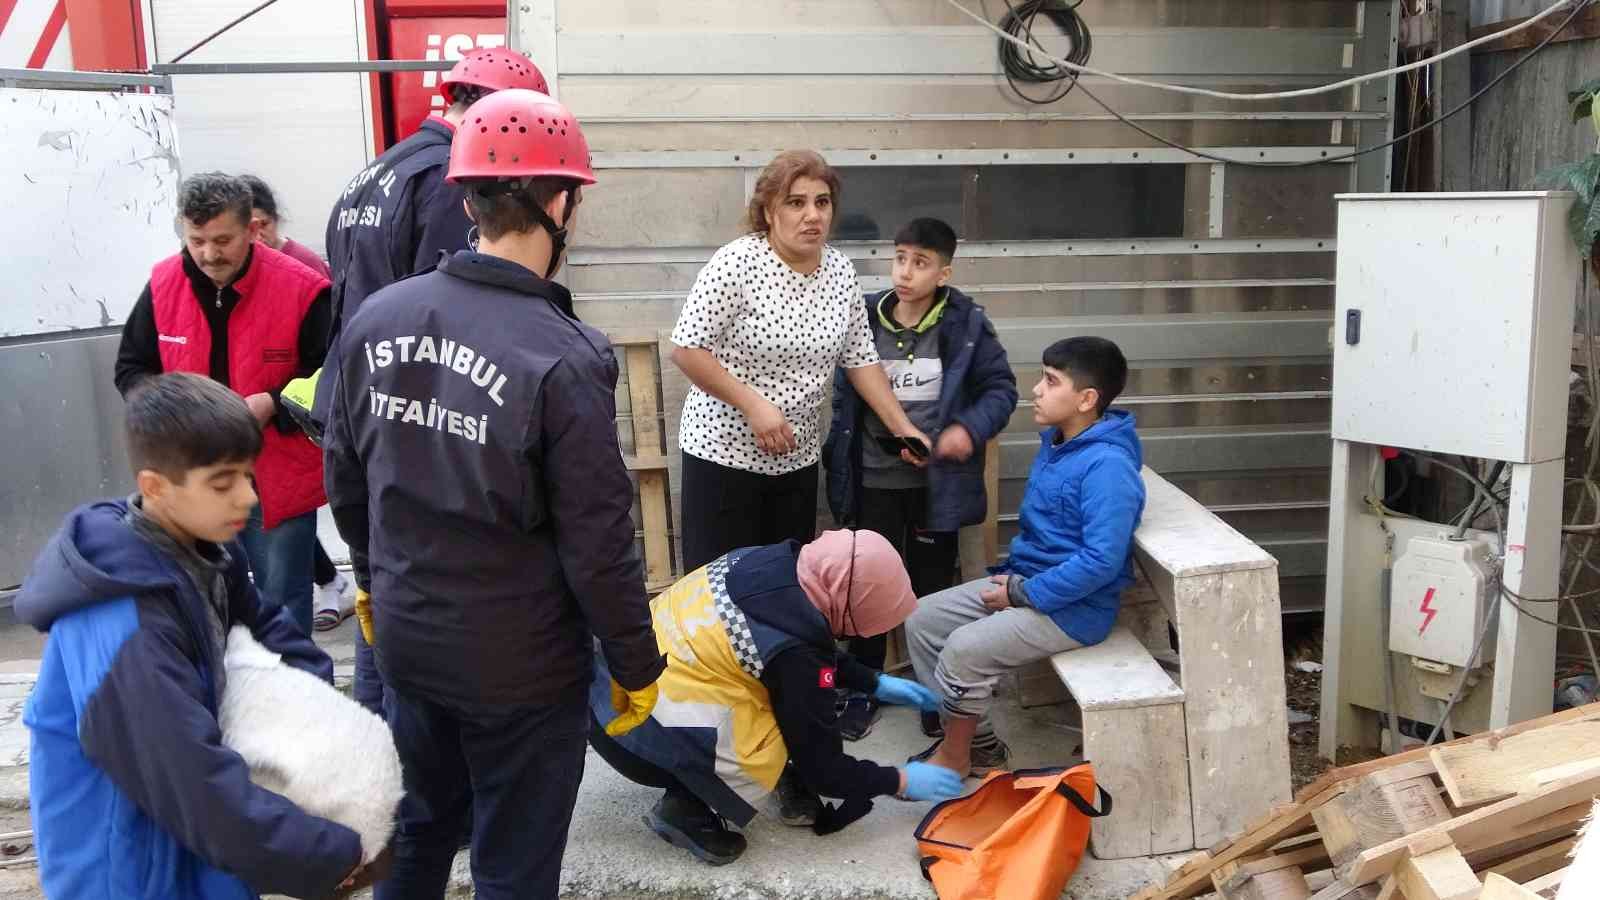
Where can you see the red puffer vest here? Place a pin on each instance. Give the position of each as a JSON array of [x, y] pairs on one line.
[[263, 353]]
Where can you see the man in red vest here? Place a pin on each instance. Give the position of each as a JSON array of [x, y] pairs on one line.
[[252, 318]]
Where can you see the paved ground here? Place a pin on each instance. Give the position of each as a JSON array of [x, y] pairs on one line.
[[612, 855]]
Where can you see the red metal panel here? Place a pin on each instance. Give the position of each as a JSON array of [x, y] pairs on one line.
[[413, 95], [105, 34], [415, 8]]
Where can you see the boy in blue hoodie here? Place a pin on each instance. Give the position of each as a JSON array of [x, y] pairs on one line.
[[133, 793], [1061, 585]]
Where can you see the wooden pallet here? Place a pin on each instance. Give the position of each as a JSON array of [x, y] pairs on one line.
[[641, 352], [1490, 816]]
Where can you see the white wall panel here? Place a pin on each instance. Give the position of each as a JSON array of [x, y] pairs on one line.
[[307, 135], [97, 174]]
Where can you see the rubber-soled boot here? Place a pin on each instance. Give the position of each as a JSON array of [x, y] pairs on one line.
[[798, 805], [683, 820]]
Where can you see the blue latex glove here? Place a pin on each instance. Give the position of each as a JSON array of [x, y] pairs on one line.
[[925, 781], [904, 692]]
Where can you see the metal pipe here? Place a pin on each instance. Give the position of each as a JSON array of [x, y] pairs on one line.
[[41, 77], [304, 68]]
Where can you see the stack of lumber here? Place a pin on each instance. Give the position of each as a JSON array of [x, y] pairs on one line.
[[1494, 816]]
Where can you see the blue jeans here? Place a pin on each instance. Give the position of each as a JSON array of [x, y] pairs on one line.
[[369, 684], [281, 561]]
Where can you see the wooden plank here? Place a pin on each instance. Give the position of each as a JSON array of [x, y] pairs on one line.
[[1350, 773], [648, 446], [1184, 538], [1338, 890], [623, 337], [1546, 885], [1281, 822], [1535, 863], [1499, 887], [1483, 771], [1117, 673], [1377, 809], [991, 488], [1138, 755], [1437, 875], [1530, 836], [649, 462], [1230, 630], [1481, 827], [1278, 884], [1232, 879], [1585, 27]]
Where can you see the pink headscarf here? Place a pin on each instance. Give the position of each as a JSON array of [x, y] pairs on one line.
[[876, 599]]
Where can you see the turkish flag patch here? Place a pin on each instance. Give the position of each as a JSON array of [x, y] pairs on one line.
[[826, 677]]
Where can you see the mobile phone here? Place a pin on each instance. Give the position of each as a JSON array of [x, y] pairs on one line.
[[892, 445]]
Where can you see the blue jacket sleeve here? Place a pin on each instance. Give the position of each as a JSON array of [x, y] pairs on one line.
[[143, 719], [1111, 497], [994, 388], [273, 625]]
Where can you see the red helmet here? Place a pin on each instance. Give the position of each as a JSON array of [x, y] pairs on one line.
[[494, 70], [519, 134]]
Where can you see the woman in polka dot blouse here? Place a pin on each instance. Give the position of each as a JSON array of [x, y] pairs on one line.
[[768, 319]]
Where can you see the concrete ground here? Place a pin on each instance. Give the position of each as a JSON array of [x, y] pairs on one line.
[[610, 853]]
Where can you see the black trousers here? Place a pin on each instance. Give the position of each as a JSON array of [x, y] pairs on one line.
[[929, 556], [515, 772], [636, 769], [724, 509], [322, 571]]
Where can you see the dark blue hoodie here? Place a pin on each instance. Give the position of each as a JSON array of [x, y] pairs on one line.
[[1075, 539], [133, 794]]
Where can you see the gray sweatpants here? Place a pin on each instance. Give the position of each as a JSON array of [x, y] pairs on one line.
[[960, 648]]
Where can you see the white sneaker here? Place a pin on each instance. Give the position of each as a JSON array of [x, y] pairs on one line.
[[333, 603]]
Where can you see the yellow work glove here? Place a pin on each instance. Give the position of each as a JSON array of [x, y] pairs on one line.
[[364, 614], [634, 707], [297, 398]]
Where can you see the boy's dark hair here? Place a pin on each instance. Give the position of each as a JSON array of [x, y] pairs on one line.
[[499, 209], [261, 195], [463, 96], [929, 234], [181, 421], [1091, 362], [203, 197]]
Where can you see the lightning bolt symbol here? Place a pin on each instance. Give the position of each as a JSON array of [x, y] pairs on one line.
[[1429, 610]]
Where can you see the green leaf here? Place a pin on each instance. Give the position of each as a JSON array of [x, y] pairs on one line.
[[1591, 227], [1588, 87], [1579, 177], [1582, 107]]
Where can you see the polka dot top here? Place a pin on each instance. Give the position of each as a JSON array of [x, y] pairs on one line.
[[777, 331]]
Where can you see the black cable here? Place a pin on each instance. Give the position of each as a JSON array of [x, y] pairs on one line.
[[1020, 65], [1581, 6], [219, 32]]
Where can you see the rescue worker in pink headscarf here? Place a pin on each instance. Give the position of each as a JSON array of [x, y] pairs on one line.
[[747, 702]]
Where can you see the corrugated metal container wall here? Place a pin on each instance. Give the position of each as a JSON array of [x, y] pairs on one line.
[[1215, 279]]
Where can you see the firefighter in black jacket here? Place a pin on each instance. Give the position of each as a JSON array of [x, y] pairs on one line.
[[394, 219], [473, 464]]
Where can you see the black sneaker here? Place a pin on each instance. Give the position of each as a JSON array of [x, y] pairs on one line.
[[986, 758], [683, 820], [798, 805], [932, 725], [857, 717]]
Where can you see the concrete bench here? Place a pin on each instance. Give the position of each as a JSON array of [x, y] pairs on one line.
[[1194, 762], [1133, 732]]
